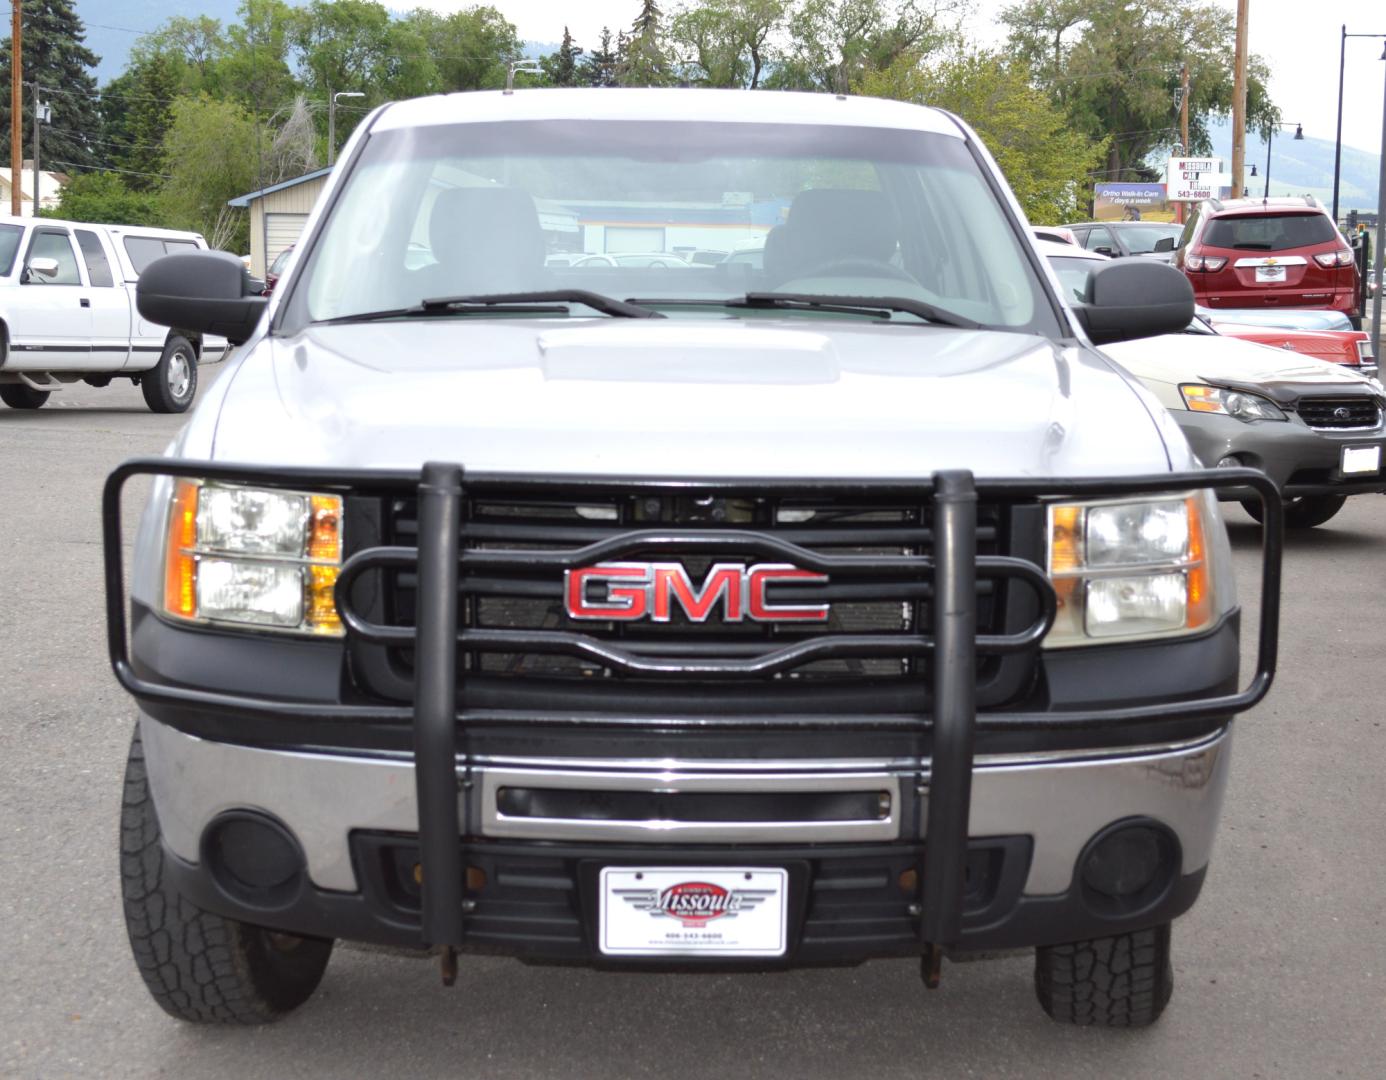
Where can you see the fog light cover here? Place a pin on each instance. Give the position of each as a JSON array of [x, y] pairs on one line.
[[268, 594]]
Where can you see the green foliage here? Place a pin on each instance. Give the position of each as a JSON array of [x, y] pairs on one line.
[[105, 198], [469, 50], [1114, 68], [561, 67], [642, 58], [728, 43], [213, 152], [1046, 162], [598, 67], [53, 56], [835, 44]]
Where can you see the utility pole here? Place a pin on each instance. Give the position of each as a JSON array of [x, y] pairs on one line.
[[332, 121], [36, 148], [1239, 103], [1183, 130], [16, 111], [1338, 140]]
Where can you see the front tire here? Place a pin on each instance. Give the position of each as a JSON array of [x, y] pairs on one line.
[[19, 396], [171, 385], [1302, 513], [199, 966], [1120, 981]]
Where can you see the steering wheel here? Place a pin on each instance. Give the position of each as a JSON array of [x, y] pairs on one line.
[[857, 267]]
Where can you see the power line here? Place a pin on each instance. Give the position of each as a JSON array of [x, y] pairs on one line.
[[109, 168]]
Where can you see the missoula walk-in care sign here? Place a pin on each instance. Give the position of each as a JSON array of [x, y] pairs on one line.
[[1131, 202]]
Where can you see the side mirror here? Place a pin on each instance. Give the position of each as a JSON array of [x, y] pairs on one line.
[[1165, 243], [1136, 298], [207, 291], [43, 266], [1105, 251]]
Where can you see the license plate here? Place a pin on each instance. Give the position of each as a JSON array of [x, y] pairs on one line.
[[1266, 275], [683, 911], [1361, 459]]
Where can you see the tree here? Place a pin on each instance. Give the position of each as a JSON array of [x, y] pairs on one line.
[[598, 67], [1114, 66], [137, 143], [469, 50], [1046, 162], [55, 58], [105, 197], [727, 42], [561, 67], [834, 44], [642, 60], [213, 152]]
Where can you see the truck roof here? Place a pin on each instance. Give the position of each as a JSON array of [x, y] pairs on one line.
[[115, 230], [682, 104]]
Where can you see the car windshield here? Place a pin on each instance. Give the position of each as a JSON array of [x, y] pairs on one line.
[[1269, 232], [477, 209], [1141, 239]]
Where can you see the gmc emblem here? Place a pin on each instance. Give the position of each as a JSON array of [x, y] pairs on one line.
[[627, 591]]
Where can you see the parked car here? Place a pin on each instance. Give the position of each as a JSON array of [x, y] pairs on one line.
[[277, 268], [1288, 318], [750, 257], [868, 615], [1057, 234], [1352, 348], [1118, 238], [1246, 253], [643, 260], [67, 313], [1316, 429]]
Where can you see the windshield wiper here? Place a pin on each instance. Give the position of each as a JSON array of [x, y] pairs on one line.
[[531, 303], [607, 305], [878, 307]]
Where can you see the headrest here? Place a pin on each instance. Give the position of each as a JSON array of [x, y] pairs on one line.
[[829, 224], [495, 228]]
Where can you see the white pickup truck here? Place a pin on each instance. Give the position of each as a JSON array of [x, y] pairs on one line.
[[67, 313]]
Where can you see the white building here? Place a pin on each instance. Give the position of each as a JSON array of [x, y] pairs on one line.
[[50, 188]]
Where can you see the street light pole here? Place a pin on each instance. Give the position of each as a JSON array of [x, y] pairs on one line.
[[1270, 136], [332, 121], [1380, 221], [1338, 142]]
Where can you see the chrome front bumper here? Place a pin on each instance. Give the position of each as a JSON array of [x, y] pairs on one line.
[[1060, 800]]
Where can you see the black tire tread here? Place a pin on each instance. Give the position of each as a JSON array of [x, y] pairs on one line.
[[19, 396], [154, 382], [198, 966], [1121, 981]]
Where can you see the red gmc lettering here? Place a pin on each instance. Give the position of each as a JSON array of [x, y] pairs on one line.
[[625, 592]]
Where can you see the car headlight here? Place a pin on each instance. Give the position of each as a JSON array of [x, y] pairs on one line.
[[1234, 403], [253, 557], [1131, 569]]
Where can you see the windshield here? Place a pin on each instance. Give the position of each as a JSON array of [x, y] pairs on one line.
[[1141, 239], [601, 206], [9, 245], [1270, 232]]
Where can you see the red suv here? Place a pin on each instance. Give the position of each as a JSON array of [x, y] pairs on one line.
[[1249, 253]]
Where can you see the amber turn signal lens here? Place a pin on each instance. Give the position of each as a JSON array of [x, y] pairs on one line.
[[322, 614], [325, 538], [1065, 535], [1200, 600], [180, 573]]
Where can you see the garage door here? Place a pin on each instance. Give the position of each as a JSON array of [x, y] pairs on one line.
[[281, 231], [624, 238]]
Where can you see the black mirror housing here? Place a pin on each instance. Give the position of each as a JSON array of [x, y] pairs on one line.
[[1136, 298], [206, 291], [1165, 243]]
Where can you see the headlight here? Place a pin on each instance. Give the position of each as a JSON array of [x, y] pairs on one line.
[[253, 557], [1235, 403], [1133, 569]]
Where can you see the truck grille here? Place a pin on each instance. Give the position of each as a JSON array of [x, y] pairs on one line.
[[1328, 414], [882, 606]]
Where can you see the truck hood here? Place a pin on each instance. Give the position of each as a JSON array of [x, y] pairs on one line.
[[722, 398], [1232, 362]]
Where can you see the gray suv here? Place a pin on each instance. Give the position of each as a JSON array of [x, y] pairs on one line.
[[740, 617]]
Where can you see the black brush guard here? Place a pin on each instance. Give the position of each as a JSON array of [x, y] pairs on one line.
[[954, 645]]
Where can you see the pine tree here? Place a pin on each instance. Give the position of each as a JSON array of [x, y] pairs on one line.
[[155, 84], [562, 67], [55, 58], [643, 60], [598, 67]]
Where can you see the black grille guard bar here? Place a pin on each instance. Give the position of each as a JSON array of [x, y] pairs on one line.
[[954, 643]]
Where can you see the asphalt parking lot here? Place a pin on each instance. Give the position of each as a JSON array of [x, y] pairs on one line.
[[1280, 969]]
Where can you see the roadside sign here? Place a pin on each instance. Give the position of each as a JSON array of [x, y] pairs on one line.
[[1194, 179]]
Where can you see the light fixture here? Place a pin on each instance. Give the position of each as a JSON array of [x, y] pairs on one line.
[[1299, 132]]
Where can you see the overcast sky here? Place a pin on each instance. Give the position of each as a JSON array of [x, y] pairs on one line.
[[1299, 39]]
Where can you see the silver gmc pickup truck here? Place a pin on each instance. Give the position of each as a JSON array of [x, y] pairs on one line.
[[837, 603]]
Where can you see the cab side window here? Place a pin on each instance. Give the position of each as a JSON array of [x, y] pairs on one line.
[[50, 244], [94, 255], [1099, 238]]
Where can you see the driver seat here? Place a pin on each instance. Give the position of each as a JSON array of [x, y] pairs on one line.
[[830, 225]]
